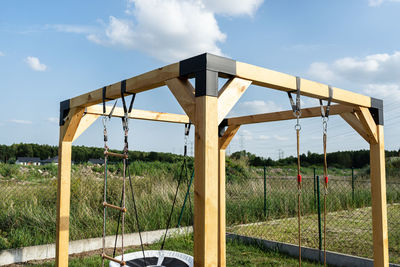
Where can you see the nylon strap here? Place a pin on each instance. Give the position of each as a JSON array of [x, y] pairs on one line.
[[296, 106], [323, 113], [104, 103], [123, 92]]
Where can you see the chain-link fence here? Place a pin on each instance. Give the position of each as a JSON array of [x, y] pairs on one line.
[[29, 195], [266, 208], [263, 207]]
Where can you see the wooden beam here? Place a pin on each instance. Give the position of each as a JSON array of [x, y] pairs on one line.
[[221, 210], [86, 121], [229, 94], [183, 91], [67, 133], [352, 119], [369, 124], [140, 114], [206, 183], [223, 144], [227, 137], [137, 84], [287, 115], [378, 193], [284, 82]]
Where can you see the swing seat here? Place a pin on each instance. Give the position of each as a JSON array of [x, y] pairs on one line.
[[156, 258]]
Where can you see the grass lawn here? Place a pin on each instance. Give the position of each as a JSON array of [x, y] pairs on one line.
[[237, 255], [346, 231]]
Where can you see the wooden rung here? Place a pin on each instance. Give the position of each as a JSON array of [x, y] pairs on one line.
[[122, 263], [112, 154], [114, 207]]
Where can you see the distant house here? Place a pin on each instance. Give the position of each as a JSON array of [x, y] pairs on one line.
[[96, 161], [50, 161], [28, 161]]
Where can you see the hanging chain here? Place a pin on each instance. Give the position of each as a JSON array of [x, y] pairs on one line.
[[325, 132], [104, 120], [298, 129]]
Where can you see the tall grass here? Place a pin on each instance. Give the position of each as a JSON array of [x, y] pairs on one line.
[[28, 198]]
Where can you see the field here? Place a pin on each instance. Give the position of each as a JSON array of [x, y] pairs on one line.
[[27, 204]]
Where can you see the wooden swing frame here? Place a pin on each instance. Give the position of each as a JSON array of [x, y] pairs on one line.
[[206, 107]]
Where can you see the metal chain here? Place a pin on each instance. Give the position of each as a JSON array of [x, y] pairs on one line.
[[325, 134], [297, 127], [104, 120]]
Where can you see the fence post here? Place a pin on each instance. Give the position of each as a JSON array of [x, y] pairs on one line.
[[352, 184], [319, 216], [315, 191], [265, 191]]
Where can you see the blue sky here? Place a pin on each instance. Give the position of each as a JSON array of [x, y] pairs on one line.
[[53, 50]]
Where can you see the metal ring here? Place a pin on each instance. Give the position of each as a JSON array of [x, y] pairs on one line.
[[297, 127]]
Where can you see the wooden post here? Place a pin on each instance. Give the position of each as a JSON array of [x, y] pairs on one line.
[[223, 144], [221, 211], [378, 191], [67, 134], [206, 182], [63, 202]]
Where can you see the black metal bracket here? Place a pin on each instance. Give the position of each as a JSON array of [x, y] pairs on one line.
[[64, 110], [222, 127], [206, 68], [376, 110]]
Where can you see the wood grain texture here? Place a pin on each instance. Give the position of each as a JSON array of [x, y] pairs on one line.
[[352, 119], [229, 94], [140, 114], [378, 193], [287, 115], [183, 91], [227, 137], [137, 84], [221, 210], [206, 183], [284, 82], [86, 121], [368, 122]]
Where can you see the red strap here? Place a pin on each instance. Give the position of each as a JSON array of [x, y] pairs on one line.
[[299, 178], [326, 179]]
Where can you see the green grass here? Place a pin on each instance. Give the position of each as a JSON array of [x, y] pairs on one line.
[[347, 231], [28, 200], [237, 255]]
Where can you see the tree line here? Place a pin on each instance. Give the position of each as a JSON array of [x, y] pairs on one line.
[[81, 154], [340, 159]]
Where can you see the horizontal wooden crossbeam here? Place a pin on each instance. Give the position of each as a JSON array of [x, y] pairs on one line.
[[287, 115], [285, 82], [137, 84], [140, 114]]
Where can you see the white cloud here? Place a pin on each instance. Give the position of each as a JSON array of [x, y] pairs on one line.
[[34, 63], [280, 138], [53, 119], [171, 30], [256, 107], [263, 137], [376, 68], [233, 7], [388, 91], [70, 28], [375, 3], [246, 135], [20, 121], [1, 54]]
